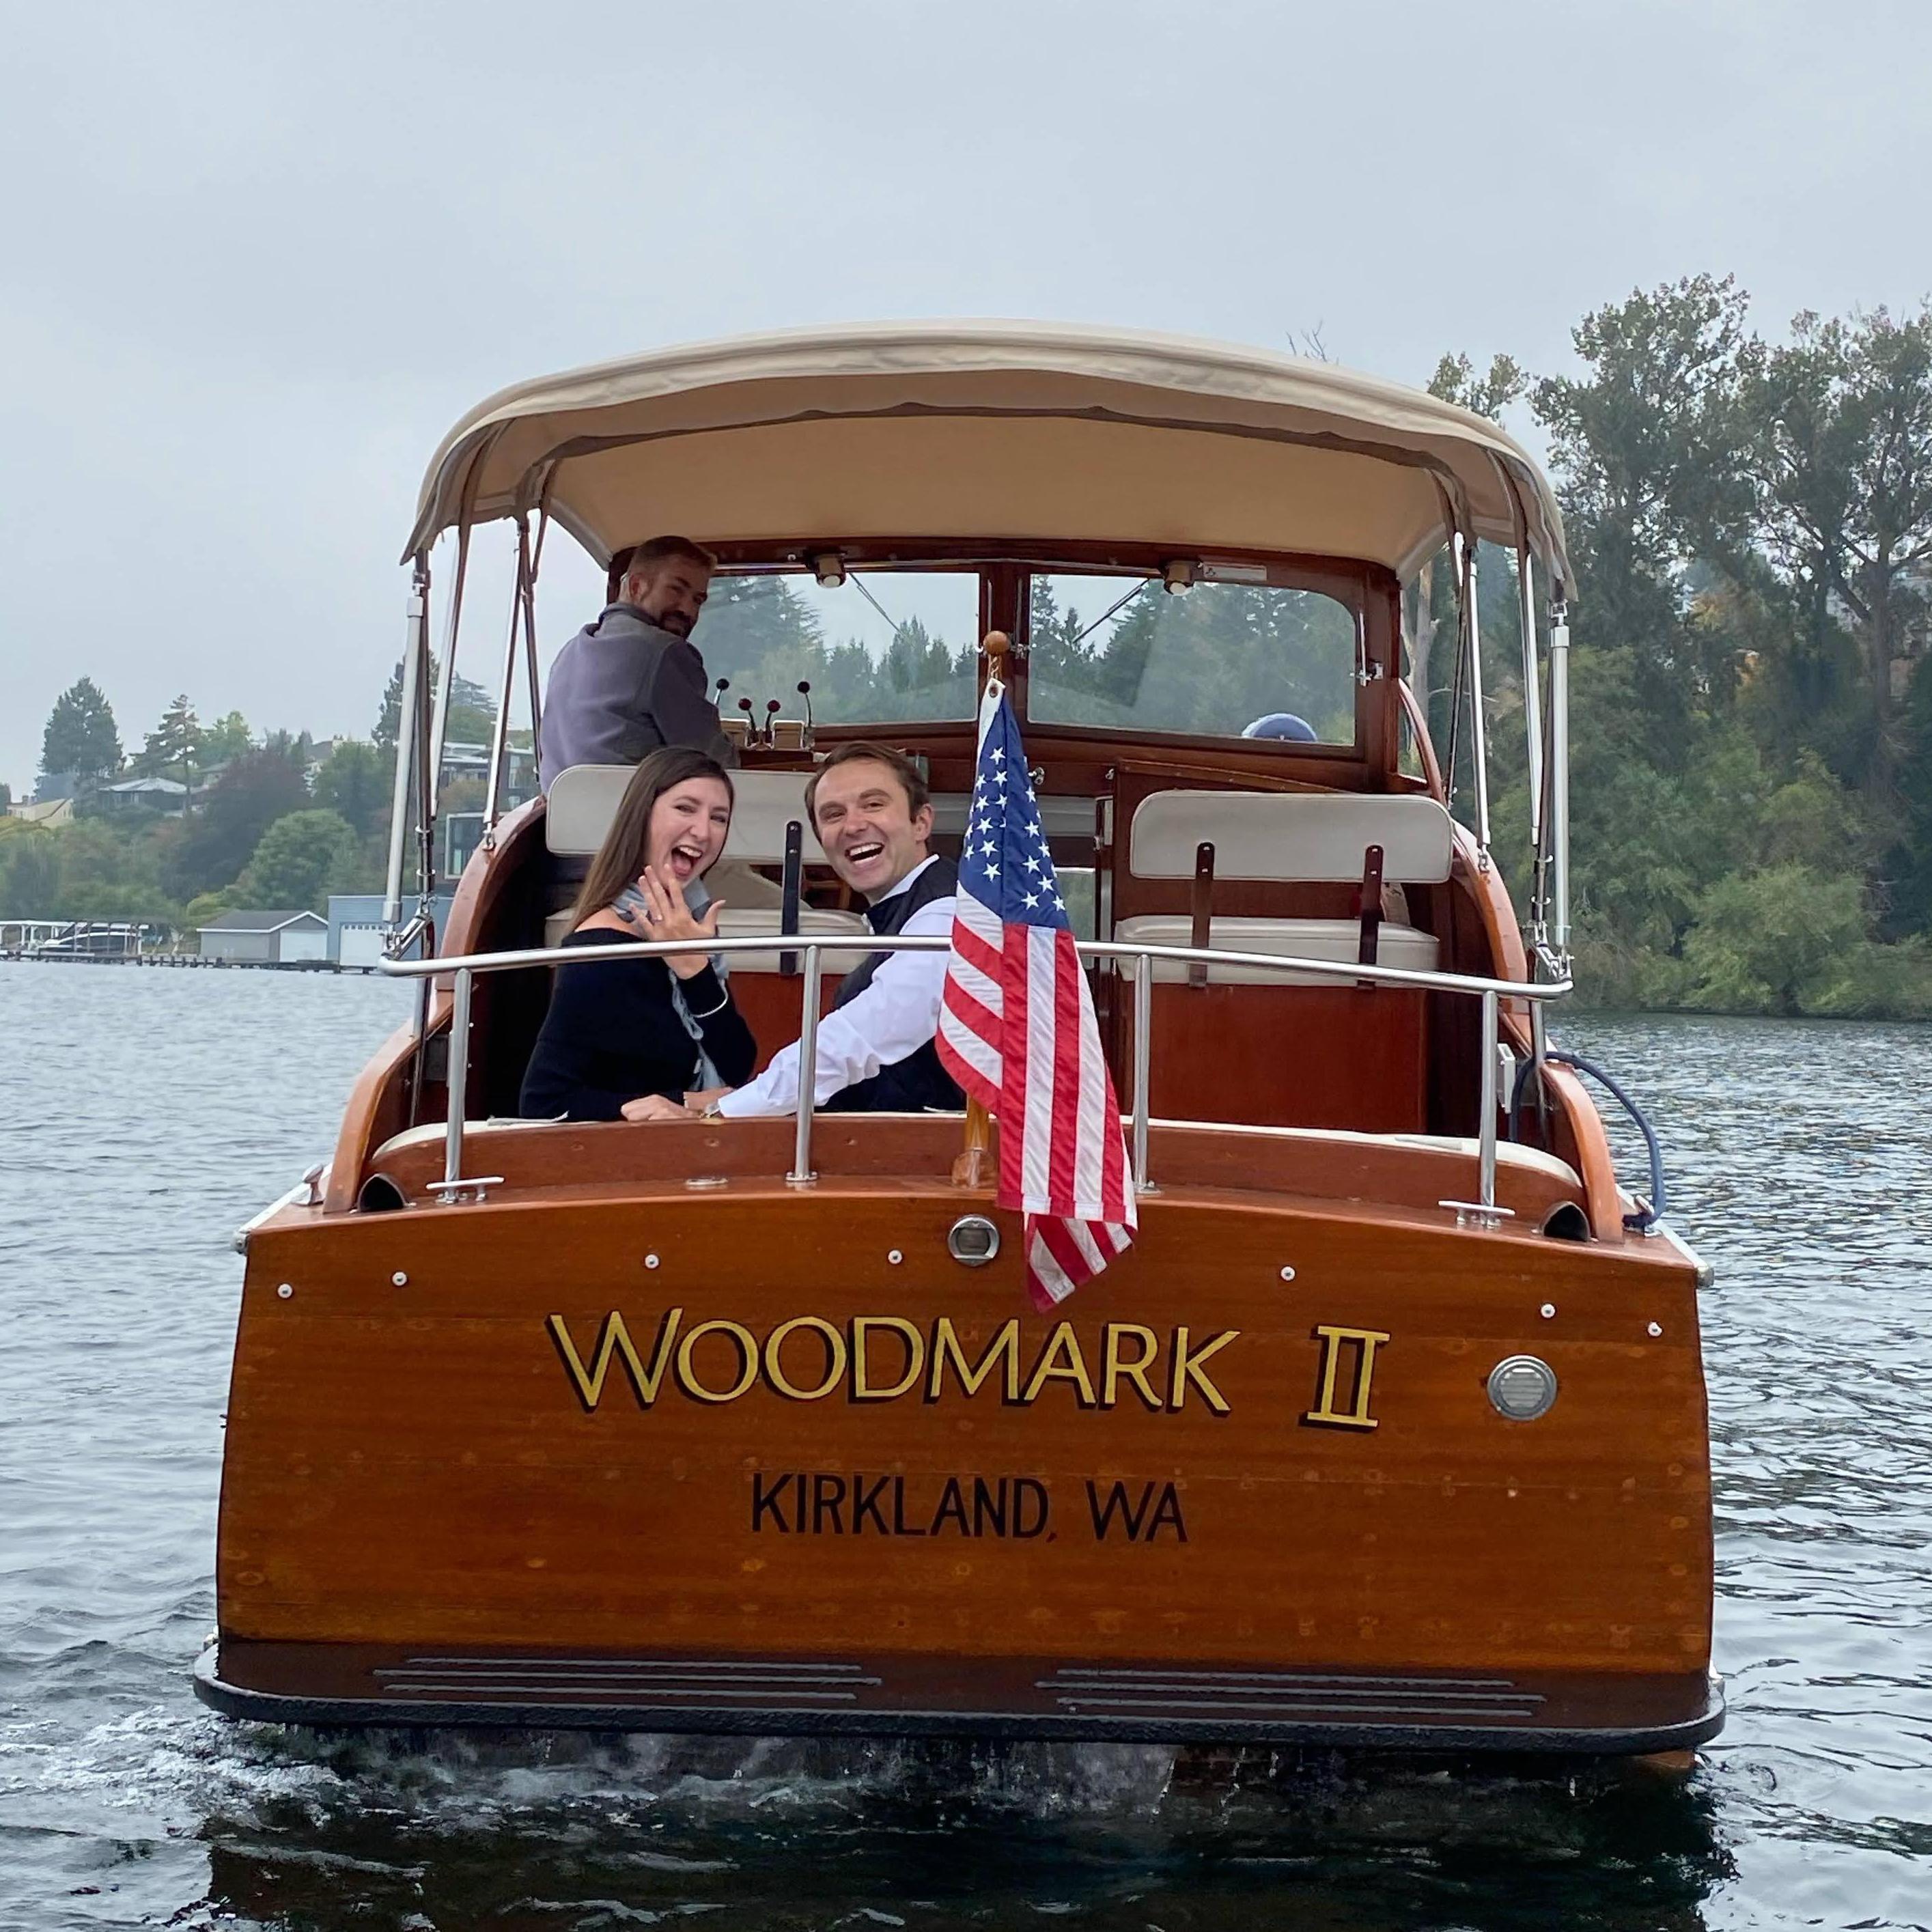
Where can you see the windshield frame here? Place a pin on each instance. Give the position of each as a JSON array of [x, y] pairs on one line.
[[1368, 591]]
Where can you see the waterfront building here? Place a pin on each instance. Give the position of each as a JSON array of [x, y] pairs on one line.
[[355, 926], [267, 939]]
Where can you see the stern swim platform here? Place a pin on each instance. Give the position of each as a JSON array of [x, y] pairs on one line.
[[1021, 1699]]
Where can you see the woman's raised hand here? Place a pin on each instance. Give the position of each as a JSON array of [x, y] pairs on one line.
[[671, 919]]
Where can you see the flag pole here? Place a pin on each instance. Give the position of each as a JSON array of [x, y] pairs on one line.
[[973, 1165]]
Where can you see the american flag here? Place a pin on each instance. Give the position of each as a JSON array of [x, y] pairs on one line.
[[1016, 1029]]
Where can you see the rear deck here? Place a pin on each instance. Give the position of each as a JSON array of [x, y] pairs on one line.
[[648, 1425]]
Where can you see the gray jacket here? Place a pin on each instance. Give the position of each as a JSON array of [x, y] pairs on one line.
[[621, 687]]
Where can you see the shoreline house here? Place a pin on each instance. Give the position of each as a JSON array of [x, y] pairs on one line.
[[150, 794], [292, 938]]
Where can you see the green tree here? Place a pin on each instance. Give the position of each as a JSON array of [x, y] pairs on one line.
[[89, 869], [1908, 862], [1776, 941], [1455, 381], [80, 736], [208, 851], [227, 738], [1842, 455], [761, 635], [1647, 446], [1718, 858], [205, 908], [355, 779], [173, 749], [300, 858], [472, 711], [29, 872]]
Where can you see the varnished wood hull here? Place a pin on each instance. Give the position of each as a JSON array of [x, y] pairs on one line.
[[1251, 1485]]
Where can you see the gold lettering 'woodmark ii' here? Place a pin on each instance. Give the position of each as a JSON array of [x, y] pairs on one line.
[[884, 1358]]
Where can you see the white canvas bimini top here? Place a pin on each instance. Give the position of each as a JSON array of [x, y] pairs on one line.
[[1028, 431]]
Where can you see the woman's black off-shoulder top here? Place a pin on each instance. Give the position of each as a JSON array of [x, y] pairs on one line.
[[612, 1033]]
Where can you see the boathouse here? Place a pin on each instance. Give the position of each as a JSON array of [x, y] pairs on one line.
[[356, 931], [267, 939]]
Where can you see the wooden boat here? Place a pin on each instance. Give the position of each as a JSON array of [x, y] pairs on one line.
[[1389, 1431]]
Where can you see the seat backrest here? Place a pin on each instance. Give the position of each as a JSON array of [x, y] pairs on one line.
[[584, 798], [1307, 837]]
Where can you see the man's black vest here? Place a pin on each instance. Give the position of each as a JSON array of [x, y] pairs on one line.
[[918, 1082]]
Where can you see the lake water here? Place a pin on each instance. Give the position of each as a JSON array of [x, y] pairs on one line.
[[144, 1114]]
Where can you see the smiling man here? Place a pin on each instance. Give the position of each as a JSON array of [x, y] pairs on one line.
[[633, 680], [869, 807]]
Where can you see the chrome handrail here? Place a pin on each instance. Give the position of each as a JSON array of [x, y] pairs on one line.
[[462, 968]]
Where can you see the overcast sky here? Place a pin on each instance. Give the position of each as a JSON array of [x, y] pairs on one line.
[[255, 259]]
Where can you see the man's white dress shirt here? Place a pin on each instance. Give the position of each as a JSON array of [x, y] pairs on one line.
[[894, 1016]]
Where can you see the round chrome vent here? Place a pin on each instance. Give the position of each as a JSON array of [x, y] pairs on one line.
[[973, 1240], [1522, 1388]]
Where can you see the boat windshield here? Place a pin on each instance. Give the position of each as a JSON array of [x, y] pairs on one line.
[[882, 647], [1223, 659], [1114, 652]]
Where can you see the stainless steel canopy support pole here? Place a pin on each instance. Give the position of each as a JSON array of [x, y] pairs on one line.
[[1559, 773], [414, 653], [455, 1186], [425, 790], [1479, 735], [458, 1081], [530, 631], [1483, 1212], [807, 1068], [1452, 765], [1532, 695], [1486, 1140], [446, 684], [500, 740], [1143, 1052]]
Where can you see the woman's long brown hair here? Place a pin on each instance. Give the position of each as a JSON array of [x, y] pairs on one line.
[[621, 857]]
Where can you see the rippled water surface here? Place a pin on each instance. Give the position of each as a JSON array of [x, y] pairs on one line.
[[144, 1114]]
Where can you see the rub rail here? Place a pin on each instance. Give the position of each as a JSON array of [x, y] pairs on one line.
[[461, 969]]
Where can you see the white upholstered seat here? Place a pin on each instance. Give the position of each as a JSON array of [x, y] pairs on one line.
[[1308, 836], [1301, 837]]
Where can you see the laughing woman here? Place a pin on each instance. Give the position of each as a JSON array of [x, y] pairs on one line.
[[621, 1039]]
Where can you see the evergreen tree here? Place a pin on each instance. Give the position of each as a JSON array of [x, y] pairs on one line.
[[760, 633], [80, 737], [173, 749], [472, 711]]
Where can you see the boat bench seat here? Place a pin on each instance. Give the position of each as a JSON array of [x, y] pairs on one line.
[[1285, 1048]]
